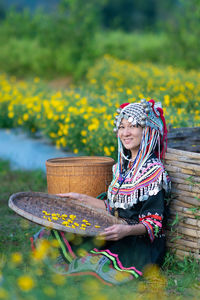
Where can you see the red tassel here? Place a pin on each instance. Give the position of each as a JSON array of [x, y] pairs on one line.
[[163, 141], [164, 138]]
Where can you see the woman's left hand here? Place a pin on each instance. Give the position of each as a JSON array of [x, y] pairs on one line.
[[115, 232]]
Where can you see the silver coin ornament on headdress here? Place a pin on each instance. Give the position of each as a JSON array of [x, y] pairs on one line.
[[140, 114]]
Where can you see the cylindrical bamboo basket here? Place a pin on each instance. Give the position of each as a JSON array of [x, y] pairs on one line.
[[183, 236], [89, 175]]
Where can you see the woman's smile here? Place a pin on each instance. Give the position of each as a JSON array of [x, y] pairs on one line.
[[130, 136]]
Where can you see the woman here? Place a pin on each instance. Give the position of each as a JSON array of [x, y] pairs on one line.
[[136, 194]]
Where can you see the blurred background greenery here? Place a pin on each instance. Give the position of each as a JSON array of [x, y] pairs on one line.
[[65, 37]]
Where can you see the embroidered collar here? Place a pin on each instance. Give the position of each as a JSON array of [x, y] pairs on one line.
[[147, 181]]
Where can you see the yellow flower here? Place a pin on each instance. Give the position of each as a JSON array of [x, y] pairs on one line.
[[25, 117], [75, 151], [84, 141], [42, 250], [16, 258], [83, 132], [25, 283], [166, 100], [129, 91], [106, 151], [112, 148], [11, 114]]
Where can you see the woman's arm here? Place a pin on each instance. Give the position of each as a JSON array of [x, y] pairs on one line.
[[119, 231], [88, 200], [150, 221]]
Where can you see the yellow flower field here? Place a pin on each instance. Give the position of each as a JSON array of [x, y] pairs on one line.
[[81, 118]]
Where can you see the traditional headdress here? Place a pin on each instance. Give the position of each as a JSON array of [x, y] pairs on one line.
[[146, 175]]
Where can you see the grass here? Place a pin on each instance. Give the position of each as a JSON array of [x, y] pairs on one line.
[[13, 231], [182, 277]]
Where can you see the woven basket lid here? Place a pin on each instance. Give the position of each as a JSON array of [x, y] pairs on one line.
[[60, 213]]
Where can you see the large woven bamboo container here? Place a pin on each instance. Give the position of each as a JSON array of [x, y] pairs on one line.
[[184, 169], [89, 175]]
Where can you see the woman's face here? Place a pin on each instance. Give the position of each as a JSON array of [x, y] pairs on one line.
[[130, 136]]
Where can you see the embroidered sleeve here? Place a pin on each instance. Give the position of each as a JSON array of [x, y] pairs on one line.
[[151, 215]]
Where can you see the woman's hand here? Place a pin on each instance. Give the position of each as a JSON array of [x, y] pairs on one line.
[[115, 232], [119, 231]]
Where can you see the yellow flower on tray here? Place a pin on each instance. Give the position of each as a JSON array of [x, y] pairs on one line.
[[65, 223], [82, 228], [63, 216], [84, 221], [72, 217], [46, 213]]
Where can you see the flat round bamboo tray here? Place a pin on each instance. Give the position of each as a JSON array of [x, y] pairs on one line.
[[57, 213], [184, 170], [89, 175]]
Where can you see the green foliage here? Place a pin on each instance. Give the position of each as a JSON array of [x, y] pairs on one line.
[[25, 56], [184, 32], [134, 47], [49, 44], [11, 235], [69, 40], [181, 274]]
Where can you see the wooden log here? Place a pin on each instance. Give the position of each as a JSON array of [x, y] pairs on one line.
[[181, 254], [187, 220], [173, 157], [183, 146], [171, 234], [190, 200], [186, 187], [183, 165], [184, 211], [188, 172], [184, 245], [184, 242], [182, 204], [181, 180], [190, 251], [184, 133], [187, 225], [189, 231], [184, 193], [184, 153], [187, 178]]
